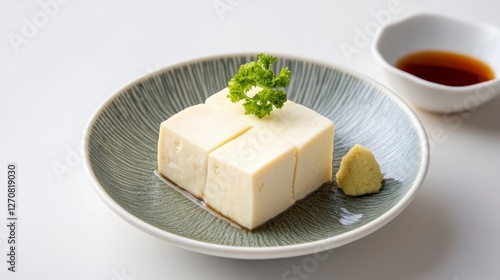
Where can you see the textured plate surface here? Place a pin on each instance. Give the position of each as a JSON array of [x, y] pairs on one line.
[[121, 143]]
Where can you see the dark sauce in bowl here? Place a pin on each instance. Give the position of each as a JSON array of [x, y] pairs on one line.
[[446, 68]]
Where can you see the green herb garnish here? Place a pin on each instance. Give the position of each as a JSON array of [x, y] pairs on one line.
[[258, 73]]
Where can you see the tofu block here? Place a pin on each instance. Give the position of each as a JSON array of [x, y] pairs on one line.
[[311, 133], [247, 169], [220, 100], [187, 138], [249, 179]]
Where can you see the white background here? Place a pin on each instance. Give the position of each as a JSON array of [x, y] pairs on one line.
[[77, 53]]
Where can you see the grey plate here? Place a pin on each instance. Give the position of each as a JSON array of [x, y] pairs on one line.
[[121, 143]]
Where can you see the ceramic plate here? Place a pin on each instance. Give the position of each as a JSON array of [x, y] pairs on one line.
[[121, 145]]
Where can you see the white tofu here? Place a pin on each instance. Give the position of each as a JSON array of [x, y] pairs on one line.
[[250, 178], [311, 133], [187, 138], [221, 100]]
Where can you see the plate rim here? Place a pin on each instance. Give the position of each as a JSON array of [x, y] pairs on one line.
[[271, 252]]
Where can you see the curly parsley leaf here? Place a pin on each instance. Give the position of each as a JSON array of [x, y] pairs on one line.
[[259, 74]]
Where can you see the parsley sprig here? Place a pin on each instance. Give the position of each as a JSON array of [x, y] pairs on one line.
[[259, 73]]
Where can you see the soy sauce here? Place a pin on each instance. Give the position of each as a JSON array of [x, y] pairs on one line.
[[446, 68]]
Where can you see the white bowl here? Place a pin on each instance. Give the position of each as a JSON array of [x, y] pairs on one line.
[[436, 32]]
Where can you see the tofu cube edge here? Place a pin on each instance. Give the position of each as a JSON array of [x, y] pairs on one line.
[[249, 179], [187, 138]]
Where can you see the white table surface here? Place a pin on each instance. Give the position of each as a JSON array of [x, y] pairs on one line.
[[60, 60]]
